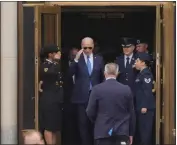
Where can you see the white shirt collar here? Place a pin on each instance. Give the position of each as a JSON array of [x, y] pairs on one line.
[[108, 78], [91, 55], [130, 56], [125, 59]]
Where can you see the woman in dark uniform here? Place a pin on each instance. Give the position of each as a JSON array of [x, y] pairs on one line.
[[51, 98], [145, 100]]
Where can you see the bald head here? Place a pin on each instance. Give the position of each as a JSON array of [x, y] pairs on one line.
[[87, 40], [111, 70], [87, 44], [33, 137]]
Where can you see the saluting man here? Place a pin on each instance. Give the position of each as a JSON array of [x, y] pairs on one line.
[[51, 98], [88, 71], [145, 100]]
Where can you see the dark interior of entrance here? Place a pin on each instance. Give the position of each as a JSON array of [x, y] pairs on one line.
[[106, 25]]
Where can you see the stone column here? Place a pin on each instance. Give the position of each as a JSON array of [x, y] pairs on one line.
[[8, 72]]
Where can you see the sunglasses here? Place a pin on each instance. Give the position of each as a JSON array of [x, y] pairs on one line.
[[87, 48]]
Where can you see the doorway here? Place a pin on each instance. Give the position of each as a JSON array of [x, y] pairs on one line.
[[106, 25], [48, 25]]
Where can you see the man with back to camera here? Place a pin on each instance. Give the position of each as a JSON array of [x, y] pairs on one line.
[[88, 71], [111, 109]]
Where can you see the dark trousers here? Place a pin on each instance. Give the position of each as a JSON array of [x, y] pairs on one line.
[[116, 140], [145, 127], [85, 126], [70, 134]]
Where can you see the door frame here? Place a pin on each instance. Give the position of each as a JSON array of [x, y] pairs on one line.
[[20, 72], [158, 72], [38, 11], [168, 72], [168, 56]]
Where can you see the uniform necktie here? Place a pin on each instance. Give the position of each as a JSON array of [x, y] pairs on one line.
[[127, 63], [89, 68]]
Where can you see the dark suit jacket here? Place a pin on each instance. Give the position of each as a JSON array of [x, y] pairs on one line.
[[68, 84], [127, 76], [111, 106], [81, 88]]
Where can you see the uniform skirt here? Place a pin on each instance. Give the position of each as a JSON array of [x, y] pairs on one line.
[[50, 111]]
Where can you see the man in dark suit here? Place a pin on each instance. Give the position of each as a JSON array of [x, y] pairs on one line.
[[88, 71], [111, 109], [70, 129], [70, 80], [126, 62]]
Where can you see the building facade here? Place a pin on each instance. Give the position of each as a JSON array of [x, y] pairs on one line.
[[21, 41]]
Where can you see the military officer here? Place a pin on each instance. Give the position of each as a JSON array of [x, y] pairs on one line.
[[127, 72], [142, 46], [145, 100], [51, 97]]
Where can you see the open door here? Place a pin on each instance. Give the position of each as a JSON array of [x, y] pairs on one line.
[[169, 72], [165, 73], [47, 31], [158, 82]]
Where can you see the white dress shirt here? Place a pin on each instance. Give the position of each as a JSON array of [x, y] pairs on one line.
[[125, 59]]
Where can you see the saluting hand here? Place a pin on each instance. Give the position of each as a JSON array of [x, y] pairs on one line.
[[57, 55], [78, 54]]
